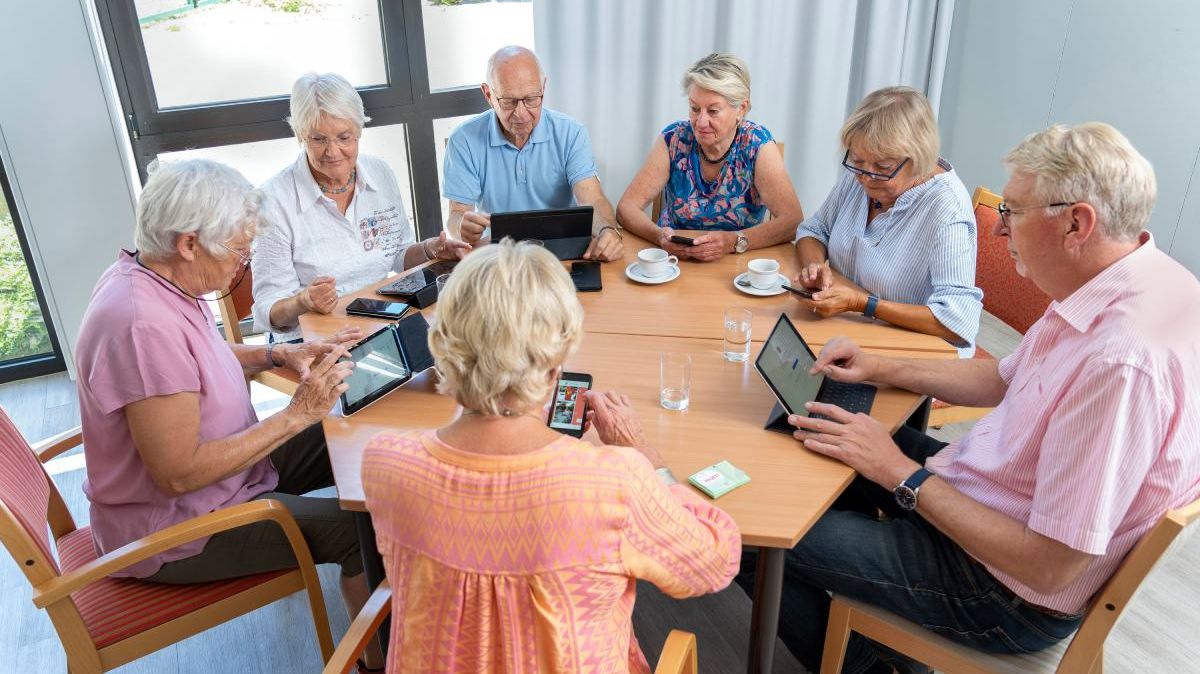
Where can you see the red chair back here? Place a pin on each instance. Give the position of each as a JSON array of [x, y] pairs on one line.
[[24, 488], [1007, 295]]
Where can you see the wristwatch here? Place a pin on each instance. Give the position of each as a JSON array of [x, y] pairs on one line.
[[742, 243], [906, 492]]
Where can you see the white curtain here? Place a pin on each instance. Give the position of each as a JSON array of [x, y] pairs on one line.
[[616, 65]]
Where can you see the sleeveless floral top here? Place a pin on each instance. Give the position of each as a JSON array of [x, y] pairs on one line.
[[731, 202]]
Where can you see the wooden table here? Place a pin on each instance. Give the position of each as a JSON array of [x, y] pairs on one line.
[[627, 326]]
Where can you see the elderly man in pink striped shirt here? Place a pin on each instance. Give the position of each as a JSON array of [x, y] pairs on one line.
[[999, 540]]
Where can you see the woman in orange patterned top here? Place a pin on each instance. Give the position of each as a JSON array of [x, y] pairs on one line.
[[510, 547]]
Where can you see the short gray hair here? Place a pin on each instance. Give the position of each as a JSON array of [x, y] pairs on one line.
[[724, 74], [505, 54], [507, 318], [1093, 163], [329, 93], [895, 122], [198, 196]]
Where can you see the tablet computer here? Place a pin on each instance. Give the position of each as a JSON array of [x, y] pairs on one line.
[[566, 232], [379, 367], [784, 362]]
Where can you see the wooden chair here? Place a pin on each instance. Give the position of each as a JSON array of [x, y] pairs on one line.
[[1007, 295], [1084, 653], [657, 202], [678, 654], [106, 622], [234, 308]]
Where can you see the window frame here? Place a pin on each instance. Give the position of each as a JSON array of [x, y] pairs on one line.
[[405, 99], [41, 364]]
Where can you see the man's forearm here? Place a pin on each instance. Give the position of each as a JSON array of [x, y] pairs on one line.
[[972, 382]]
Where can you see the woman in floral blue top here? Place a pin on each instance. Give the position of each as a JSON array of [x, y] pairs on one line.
[[717, 172]]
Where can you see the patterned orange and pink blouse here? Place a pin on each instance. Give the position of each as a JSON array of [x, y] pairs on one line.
[[527, 563]]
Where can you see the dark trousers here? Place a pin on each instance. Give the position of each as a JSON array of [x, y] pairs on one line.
[[303, 465], [905, 565]]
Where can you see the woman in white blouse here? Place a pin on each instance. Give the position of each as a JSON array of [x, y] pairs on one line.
[[895, 238], [337, 222]]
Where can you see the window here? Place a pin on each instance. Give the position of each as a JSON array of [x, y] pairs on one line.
[[28, 345], [213, 78]]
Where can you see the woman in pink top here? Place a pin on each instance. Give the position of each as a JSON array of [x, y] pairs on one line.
[[511, 547], [168, 429]]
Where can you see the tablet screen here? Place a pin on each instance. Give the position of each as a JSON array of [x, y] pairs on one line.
[[378, 368], [784, 362]]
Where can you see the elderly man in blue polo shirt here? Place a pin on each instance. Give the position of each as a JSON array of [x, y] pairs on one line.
[[519, 156]]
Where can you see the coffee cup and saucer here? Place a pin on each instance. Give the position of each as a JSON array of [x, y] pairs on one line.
[[761, 278], [654, 266]]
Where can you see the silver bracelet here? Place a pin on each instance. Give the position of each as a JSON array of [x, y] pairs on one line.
[[425, 249], [667, 477], [613, 228]]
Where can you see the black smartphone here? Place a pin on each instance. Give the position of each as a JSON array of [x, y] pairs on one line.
[[585, 274], [684, 240], [570, 403], [803, 292], [377, 308]]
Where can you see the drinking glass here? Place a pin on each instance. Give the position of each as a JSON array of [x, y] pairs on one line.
[[675, 380], [737, 334], [441, 283]]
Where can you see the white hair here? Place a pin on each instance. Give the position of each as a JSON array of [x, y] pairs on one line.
[[1093, 163], [507, 318], [724, 74], [506, 54], [198, 196], [328, 93]]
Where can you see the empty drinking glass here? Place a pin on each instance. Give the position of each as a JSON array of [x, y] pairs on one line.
[[737, 334], [441, 282], [675, 380]]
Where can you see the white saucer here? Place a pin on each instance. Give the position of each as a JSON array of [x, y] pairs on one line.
[[780, 279], [635, 274]]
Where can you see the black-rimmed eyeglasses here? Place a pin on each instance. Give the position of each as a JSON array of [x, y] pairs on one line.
[[1005, 211], [883, 177]]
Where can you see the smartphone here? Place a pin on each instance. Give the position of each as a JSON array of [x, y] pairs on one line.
[[803, 292], [377, 308], [570, 403], [684, 240]]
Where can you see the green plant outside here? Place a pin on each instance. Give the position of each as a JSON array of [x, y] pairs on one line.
[[22, 328]]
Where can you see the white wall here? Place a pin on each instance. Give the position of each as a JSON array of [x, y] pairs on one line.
[[1018, 66], [66, 162]]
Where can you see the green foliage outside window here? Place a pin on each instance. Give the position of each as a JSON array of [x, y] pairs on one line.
[[22, 330]]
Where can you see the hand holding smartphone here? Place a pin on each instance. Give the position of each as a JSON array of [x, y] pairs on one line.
[[803, 292], [569, 409], [683, 240]]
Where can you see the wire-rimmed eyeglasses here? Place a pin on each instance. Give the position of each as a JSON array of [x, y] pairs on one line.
[[883, 177], [1005, 211], [342, 140], [244, 258], [530, 102]]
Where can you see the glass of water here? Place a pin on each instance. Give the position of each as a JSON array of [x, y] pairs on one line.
[[675, 380], [737, 334], [441, 283]]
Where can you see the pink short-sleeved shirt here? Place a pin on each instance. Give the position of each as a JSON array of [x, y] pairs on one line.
[[1099, 431], [141, 337]]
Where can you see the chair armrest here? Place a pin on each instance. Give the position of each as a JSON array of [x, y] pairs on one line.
[[365, 625], [57, 444], [678, 654], [263, 510]]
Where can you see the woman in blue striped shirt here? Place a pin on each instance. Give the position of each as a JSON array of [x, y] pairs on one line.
[[895, 238]]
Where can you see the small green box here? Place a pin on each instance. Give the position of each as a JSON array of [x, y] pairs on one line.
[[719, 479]]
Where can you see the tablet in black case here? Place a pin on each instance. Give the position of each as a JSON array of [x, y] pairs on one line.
[[385, 360]]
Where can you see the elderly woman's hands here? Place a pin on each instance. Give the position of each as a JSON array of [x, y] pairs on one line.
[[815, 276], [664, 241], [320, 295], [445, 248], [320, 388], [712, 246], [298, 357], [837, 299], [612, 415]]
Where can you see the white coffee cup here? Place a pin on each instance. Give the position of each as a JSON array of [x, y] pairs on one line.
[[656, 262], [764, 273]]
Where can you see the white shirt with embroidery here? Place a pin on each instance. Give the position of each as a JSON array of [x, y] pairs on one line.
[[306, 236]]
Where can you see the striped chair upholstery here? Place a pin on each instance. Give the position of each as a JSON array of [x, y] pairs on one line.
[[107, 622]]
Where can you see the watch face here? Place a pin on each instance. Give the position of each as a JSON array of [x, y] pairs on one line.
[[742, 243], [905, 497]]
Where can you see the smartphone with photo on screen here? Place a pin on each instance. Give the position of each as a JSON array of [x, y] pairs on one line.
[[570, 403]]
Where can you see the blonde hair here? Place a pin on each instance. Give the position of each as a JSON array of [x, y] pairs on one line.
[[895, 122], [507, 318], [1093, 163], [724, 74]]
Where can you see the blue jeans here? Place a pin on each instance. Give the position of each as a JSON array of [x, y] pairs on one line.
[[905, 565]]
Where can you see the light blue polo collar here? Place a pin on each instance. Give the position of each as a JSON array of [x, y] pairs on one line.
[[495, 138]]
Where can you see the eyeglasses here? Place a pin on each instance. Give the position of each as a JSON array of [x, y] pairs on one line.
[[322, 143], [243, 257], [884, 177], [1005, 211], [510, 104]]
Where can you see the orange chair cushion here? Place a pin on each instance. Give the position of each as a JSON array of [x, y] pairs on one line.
[[1007, 295], [114, 609]]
